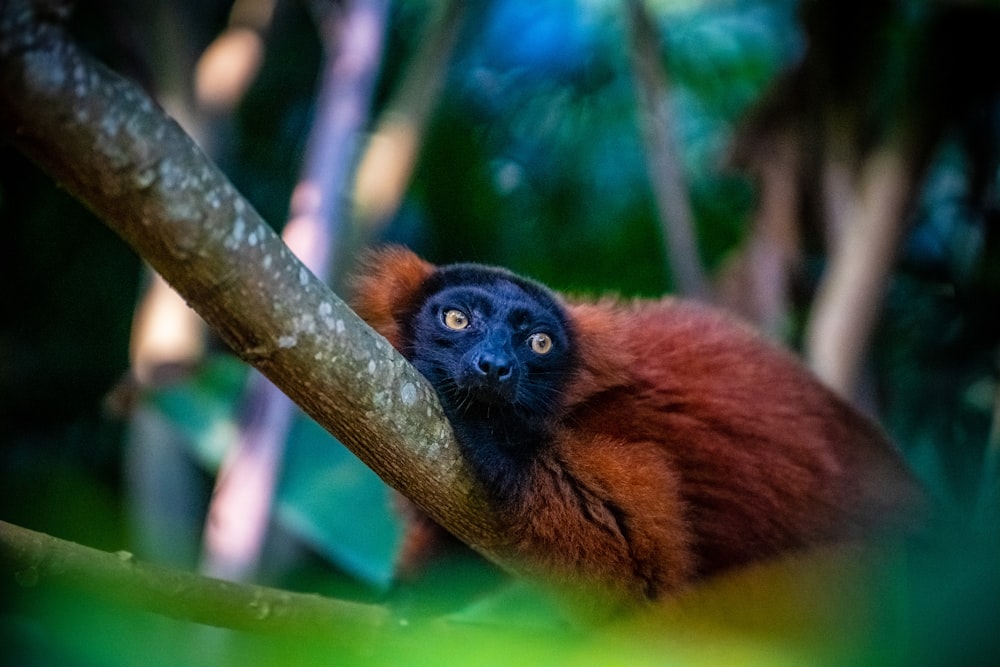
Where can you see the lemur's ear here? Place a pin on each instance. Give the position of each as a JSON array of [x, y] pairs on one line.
[[384, 287]]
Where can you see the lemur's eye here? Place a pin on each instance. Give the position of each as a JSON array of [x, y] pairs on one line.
[[455, 319], [541, 343]]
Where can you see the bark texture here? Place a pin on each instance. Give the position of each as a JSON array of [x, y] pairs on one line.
[[102, 139]]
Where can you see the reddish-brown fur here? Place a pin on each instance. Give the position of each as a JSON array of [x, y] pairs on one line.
[[687, 445]]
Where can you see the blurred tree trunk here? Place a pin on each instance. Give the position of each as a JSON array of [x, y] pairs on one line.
[[663, 158], [844, 140], [393, 147], [317, 233], [849, 299], [757, 283]]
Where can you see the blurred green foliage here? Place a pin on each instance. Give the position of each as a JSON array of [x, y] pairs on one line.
[[533, 160], [545, 135]]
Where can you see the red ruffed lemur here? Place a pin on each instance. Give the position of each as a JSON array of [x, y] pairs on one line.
[[634, 446]]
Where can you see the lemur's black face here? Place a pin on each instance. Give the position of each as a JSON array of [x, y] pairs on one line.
[[496, 348]]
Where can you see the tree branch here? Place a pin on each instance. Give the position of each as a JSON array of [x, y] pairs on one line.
[[109, 145], [40, 560]]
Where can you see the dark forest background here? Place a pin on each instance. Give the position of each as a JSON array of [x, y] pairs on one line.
[[787, 121]]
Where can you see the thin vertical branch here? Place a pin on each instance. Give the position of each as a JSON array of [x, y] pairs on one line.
[[319, 220], [662, 155], [391, 152], [316, 231], [850, 295], [231, 62], [756, 282]]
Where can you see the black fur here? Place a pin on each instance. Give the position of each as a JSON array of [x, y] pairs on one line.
[[500, 396]]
